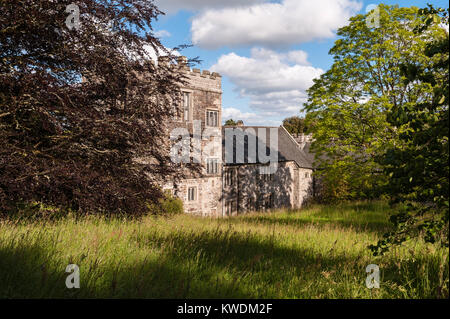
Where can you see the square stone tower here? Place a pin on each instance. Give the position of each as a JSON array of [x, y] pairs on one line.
[[201, 115]]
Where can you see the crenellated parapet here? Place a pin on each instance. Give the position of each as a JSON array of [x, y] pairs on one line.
[[197, 79], [183, 65]]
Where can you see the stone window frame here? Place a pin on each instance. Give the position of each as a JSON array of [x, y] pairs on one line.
[[207, 117], [215, 166], [230, 207], [195, 193], [191, 106], [229, 177]]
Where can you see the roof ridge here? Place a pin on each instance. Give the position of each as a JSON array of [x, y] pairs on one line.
[[290, 136], [299, 148]]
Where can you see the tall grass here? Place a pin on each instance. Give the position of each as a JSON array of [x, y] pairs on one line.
[[318, 252]]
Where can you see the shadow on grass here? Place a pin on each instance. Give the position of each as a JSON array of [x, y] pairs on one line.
[[359, 217], [27, 272], [378, 227], [208, 264], [220, 264], [419, 277], [227, 264], [30, 273]]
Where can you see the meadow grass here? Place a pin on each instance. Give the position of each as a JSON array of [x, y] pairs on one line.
[[316, 252]]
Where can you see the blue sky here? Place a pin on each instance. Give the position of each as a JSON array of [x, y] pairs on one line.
[[267, 52]]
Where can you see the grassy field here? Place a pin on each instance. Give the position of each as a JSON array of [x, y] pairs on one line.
[[318, 252]]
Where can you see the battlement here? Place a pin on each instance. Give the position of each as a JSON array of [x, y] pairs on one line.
[[204, 73], [201, 79]]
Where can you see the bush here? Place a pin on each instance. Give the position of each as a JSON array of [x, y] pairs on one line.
[[168, 206]]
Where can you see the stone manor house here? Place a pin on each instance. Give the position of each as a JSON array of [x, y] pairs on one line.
[[234, 178]]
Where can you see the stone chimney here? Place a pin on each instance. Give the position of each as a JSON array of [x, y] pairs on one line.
[[183, 63], [303, 139], [182, 60]]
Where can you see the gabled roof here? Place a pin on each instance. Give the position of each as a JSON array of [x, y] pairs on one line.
[[293, 151], [288, 148]]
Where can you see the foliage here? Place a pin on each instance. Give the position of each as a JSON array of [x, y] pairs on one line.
[[167, 206], [295, 125], [419, 169], [318, 252], [348, 105], [79, 106], [231, 122]]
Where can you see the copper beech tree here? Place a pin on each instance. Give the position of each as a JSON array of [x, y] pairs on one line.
[[80, 102]]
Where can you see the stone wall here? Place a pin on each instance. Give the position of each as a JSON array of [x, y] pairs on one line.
[[207, 201], [289, 187]]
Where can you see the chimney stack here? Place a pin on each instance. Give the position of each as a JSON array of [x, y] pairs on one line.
[[183, 63], [182, 60]]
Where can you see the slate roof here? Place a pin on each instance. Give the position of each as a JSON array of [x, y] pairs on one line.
[[288, 148]]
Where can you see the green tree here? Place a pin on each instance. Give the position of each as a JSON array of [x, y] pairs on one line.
[[419, 169], [348, 105], [231, 122], [295, 125]]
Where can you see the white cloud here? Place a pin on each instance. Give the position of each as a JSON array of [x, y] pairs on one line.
[[249, 118], [172, 6], [271, 24], [152, 54], [299, 57], [162, 34], [274, 86]]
